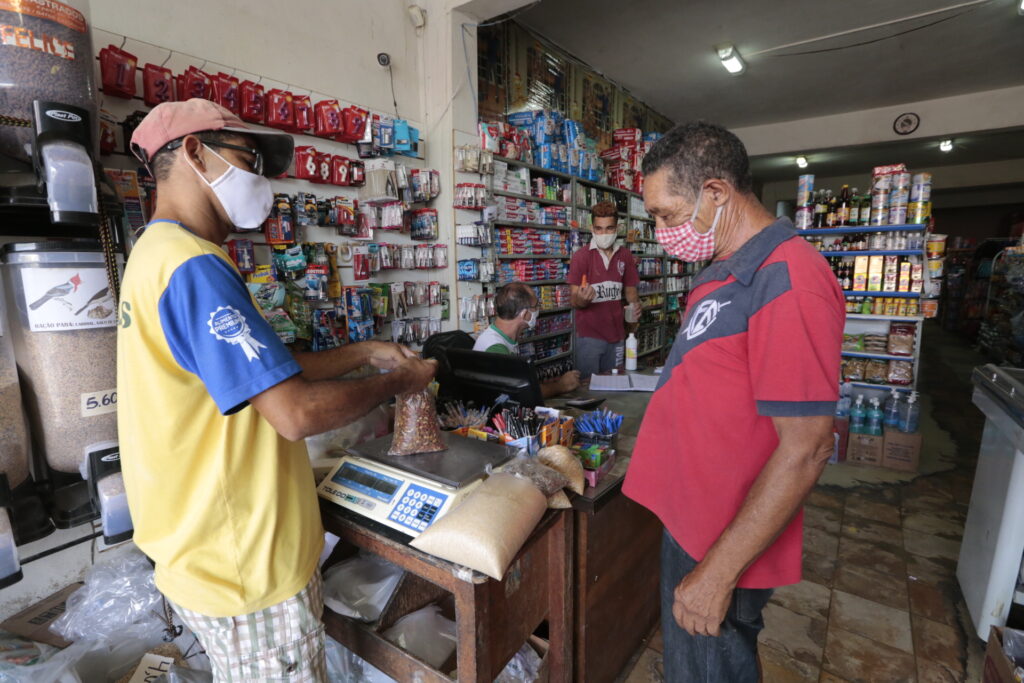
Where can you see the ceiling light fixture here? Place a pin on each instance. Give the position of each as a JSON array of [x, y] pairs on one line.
[[731, 59], [1020, 8], [946, 146], [801, 162]]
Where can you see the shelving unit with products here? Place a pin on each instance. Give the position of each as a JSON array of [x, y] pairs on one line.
[[881, 270], [540, 218]]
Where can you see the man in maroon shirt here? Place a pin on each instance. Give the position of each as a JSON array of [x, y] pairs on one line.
[[599, 276]]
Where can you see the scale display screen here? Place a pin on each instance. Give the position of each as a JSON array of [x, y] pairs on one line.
[[374, 484]]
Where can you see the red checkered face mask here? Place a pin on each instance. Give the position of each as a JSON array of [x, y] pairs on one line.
[[683, 241]]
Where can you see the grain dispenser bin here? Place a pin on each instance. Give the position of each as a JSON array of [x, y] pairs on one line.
[[47, 106], [62, 320]]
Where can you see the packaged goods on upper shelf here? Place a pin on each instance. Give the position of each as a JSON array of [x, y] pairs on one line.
[[896, 197]]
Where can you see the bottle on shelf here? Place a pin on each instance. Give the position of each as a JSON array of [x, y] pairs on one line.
[[864, 218], [831, 206], [892, 409], [843, 207], [874, 419], [631, 348], [853, 218], [910, 416], [820, 209], [858, 416]]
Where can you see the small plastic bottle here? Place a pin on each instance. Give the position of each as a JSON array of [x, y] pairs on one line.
[[874, 419], [911, 415], [892, 409], [857, 416], [631, 346]]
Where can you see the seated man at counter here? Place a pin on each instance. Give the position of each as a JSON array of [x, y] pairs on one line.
[[213, 407], [516, 308]]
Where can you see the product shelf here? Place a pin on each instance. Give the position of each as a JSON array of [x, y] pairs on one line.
[[645, 219], [860, 229], [557, 356], [530, 198], [884, 387], [650, 277], [649, 351], [876, 356], [508, 257], [532, 282], [561, 309], [684, 291], [602, 186], [872, 316], [890, 252], [536, 169], [654, 308], [539, 226], [641, 241], [549, 335], [906, 295]]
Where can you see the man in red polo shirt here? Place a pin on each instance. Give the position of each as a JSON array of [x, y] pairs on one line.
[[740, 427], [599, 277]]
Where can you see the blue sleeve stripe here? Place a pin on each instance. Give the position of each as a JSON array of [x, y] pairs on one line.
[[216, 333], [796, 408]]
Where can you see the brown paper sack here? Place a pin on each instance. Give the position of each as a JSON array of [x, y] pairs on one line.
[[489, 527]]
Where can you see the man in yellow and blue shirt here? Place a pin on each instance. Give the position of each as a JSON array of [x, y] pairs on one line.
[[213, 407]]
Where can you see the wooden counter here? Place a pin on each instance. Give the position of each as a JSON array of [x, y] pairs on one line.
[[617, 549], [493, 618]]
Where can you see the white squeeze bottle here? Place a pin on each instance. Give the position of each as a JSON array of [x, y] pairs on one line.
[[631, 345]]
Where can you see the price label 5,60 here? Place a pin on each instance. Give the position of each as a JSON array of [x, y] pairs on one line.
[[99, 403]]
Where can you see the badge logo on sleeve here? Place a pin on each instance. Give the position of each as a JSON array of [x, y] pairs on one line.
[[704, 317], [227, 324]]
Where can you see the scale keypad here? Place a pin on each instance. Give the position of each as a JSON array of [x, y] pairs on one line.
[[417, 507]]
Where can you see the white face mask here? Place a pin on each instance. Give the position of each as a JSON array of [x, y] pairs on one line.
[[605, 241], [246, 197], [532, 322]]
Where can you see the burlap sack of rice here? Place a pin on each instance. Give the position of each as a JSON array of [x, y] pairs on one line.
[[559, 501], [549, 481], [561, 459], [489, 527], [416, 427]]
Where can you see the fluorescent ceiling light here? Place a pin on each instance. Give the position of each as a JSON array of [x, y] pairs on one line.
[[946, 145], [731, 59], [801, 162], [1020, 8]]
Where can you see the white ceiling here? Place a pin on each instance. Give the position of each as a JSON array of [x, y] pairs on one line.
[[662, 51], [917, 154]]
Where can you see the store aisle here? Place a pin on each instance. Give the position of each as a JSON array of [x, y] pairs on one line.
[[879, 600]]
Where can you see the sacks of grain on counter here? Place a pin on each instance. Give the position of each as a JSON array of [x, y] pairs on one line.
[[559, 501], [561, 459], [486, 531], [549, 481]]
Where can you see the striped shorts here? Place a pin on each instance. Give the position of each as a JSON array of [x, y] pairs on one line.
[[284, 642]]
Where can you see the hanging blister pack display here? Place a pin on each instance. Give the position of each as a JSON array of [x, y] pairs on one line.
[[424, 225]]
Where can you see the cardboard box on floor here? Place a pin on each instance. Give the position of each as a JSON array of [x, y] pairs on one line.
[[34, 621], [865, 449], [901, 451], [998, 667]]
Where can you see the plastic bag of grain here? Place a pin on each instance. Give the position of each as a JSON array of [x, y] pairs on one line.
[[416, 426], [549, 481], [425, 633], [489, 527], [561, 459], [361, 586]]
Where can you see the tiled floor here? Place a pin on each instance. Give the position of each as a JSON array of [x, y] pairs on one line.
[[879, 600]]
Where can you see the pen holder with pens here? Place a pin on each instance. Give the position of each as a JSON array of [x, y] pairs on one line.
[[527, 445]]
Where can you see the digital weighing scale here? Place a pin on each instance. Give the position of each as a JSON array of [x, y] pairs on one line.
[[408, 493]]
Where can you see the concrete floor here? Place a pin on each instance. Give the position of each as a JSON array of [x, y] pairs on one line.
[[879, 600]]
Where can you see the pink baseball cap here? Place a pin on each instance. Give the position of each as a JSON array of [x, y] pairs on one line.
[[173, 120]]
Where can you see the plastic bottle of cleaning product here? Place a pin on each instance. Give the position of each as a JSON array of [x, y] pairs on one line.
[[631, 345], [892, 409], [857, 415], [874, 419], [911, 416]]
